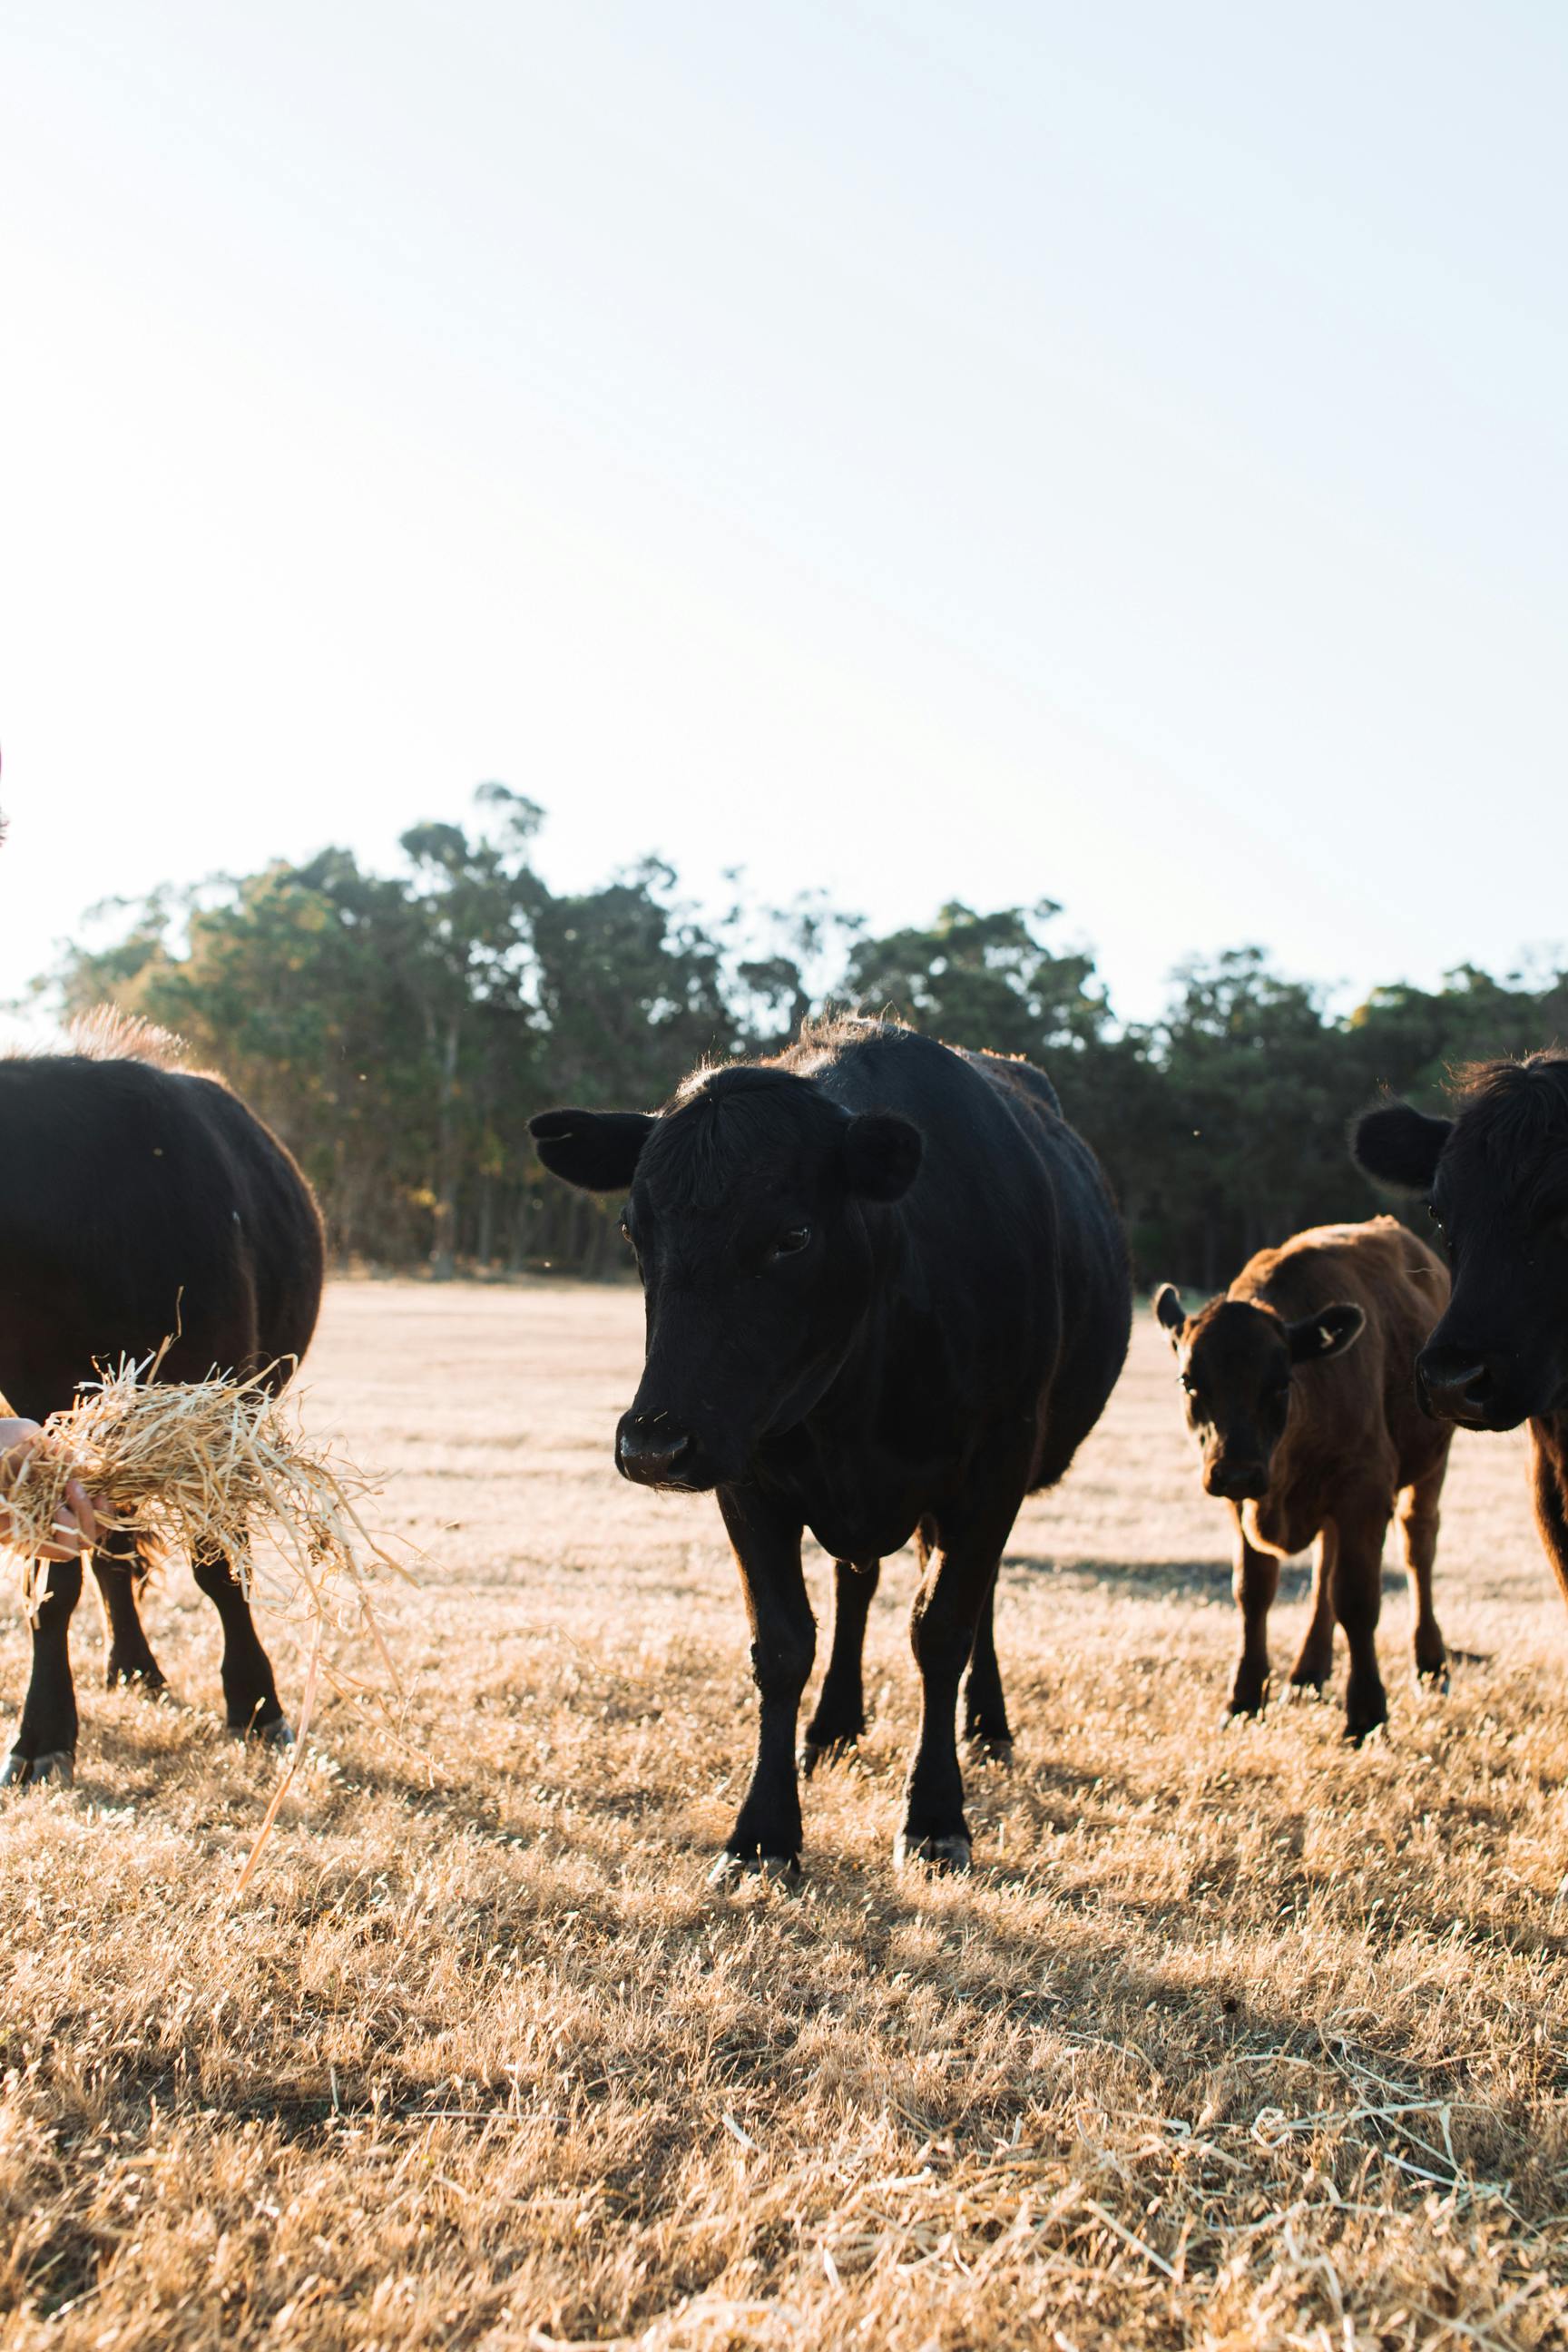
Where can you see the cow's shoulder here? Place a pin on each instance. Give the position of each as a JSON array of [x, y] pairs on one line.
[[1015, 1075]]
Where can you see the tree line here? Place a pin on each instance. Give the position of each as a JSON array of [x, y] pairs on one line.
[[399, 1029]]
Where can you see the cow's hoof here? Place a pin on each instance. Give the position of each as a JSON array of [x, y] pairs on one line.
[[945, 1854], [773, 1869], [57, 1765], [143, 1675], [1361, 1735], [813, 1752], [1235, 1716], [151, 1687], [1434, 1679], [278, 1733], [989, 1746], [1305, 1690]]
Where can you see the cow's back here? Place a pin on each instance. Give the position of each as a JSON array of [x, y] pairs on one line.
[[1093, 1274], [1012, 1240], [137, 1202], [1402, 1287], [278, 1224]]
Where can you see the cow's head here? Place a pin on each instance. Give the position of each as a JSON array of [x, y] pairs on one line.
[[1496, 1178], [1237, 1362], [747, 1209]]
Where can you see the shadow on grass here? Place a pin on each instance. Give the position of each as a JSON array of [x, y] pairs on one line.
[[1207, 1580]]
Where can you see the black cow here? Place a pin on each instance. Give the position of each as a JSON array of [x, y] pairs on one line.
[[887, 1297], [1496, 1176], [137, 1199]]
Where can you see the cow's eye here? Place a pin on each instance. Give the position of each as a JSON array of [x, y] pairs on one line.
[[1189, 1386], [791, 1243]]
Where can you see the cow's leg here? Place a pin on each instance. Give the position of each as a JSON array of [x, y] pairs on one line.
[[116, 1566], [1419, 1518], [1549, 1482], [985, 1724], [1315, 1663], [839, 1716], [767, 1835], [45, 1745], [970, 1541], [1357, 1585], [249, 1692], [1254, 1581]]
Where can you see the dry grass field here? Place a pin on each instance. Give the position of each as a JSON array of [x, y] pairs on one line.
[[1233, 2039]]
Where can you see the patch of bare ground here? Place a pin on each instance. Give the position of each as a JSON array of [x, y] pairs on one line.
[[1234, 2039]]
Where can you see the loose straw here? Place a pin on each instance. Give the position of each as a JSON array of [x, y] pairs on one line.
[[202, 1467]]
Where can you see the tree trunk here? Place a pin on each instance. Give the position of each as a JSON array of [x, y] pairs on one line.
[[521, 1221], [598, 1238], [444, 1239]]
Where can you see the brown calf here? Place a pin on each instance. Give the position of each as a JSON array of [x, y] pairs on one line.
[[1299, 1384]]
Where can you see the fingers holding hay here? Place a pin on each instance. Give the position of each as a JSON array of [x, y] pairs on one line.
[[200, 1466], [57, 1503], [213, 1468]]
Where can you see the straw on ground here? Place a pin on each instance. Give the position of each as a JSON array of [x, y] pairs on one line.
[[1232, 2040]]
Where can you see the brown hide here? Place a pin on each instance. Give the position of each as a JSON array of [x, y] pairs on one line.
[[1354, 1423], [1548, 1469], [1355, 1446]]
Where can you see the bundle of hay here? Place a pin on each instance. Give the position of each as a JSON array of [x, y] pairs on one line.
[[201, 1466], [204, 1468]]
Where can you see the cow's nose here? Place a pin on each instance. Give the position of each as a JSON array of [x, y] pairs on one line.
[[1236, 1482], [649, 1448], [1454, 1384]]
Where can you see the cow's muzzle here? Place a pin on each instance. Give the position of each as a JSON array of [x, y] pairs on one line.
[[1237, 1481], [654, 1451], [1461, 1384]]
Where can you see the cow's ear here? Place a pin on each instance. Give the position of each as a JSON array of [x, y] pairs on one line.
[[1169, 1312], [1318, 1338], [1399, 1146], [881, 1155], [597, 1150]]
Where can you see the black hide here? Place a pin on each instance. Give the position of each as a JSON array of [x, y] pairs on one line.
[[138, 1202], [888, 1295]]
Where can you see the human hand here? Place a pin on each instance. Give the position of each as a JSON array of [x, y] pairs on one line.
[[76, 1524]]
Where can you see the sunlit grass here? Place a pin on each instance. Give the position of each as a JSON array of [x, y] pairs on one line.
[[1233, 2039]]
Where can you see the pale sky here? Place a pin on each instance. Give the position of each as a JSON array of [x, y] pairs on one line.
[[991, 450]]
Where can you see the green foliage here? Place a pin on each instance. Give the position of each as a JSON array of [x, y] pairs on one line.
[[987, 980], [399, 1031]]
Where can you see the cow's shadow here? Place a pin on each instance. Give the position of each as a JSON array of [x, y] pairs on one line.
[[1175, 1579]]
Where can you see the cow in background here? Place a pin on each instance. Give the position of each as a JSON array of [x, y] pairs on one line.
[[1300, 1386], [1496, 1178], [139, 1200]]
